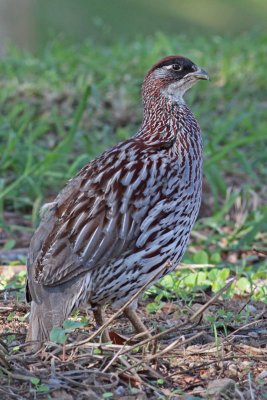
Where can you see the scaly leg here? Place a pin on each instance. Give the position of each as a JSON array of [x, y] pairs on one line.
[[136, 322], [99, 319]]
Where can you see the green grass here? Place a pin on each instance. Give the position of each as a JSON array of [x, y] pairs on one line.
[[61, 108]]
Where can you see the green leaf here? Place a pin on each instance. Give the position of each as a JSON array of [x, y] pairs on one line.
[[70, 325], [11, 316], [215, 258], [97, 351], [194, 279], [201, 257], [43, 388], [35, 380], [153, 307], [57, 335], [202, 278], [107, 395], [190, 280], [167, 281], [243, 284], [10, 338], [212, 274], [10, 244], [223, 274]]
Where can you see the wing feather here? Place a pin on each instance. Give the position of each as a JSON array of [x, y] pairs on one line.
[[96, 217]]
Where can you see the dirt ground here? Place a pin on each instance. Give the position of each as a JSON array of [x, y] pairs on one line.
[[187, 358]]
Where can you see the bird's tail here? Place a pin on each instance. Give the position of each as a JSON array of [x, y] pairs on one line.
[[42, 320], [55, 306]]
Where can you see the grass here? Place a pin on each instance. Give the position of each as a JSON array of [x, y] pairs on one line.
[[62, 107]]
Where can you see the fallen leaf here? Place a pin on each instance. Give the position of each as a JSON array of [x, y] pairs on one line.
[[133, 380], [117, 339]]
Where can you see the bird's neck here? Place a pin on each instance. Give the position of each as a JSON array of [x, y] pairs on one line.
[[168, 120]]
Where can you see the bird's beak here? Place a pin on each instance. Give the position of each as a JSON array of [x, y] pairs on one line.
[[199, 74]]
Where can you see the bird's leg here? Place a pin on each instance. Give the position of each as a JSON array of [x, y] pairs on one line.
[[138, 325], [99, 319]]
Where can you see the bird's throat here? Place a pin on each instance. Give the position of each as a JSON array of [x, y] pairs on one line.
[[166, 120]]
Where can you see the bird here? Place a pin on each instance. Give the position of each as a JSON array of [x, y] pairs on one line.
[[124, 214]]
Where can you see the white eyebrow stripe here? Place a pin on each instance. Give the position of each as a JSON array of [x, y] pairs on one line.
[[168, 66]]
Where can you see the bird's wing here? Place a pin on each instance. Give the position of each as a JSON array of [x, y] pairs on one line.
[[97, 216]]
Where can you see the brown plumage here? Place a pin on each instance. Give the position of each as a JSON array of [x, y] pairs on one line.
[[125, 213]]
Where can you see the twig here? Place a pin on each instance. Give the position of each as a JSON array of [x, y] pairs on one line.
[[10, 290], [215, 297], [242, 327], [138, 378], [260, 252], [174, 344], [16, 376], [127, 365], [165, 350], [11, 394], [75, 383], [108, 347], [3, 361], [193, 266], [250, 387], [115, 357], [124, 349], [248, 348], [6, 308]]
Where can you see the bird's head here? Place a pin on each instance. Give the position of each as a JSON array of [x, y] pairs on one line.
[[172, 76]]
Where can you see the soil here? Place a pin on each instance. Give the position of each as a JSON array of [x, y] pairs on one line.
[[186, 357]]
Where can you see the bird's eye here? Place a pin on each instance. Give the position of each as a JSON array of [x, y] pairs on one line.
[[177, 67]]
